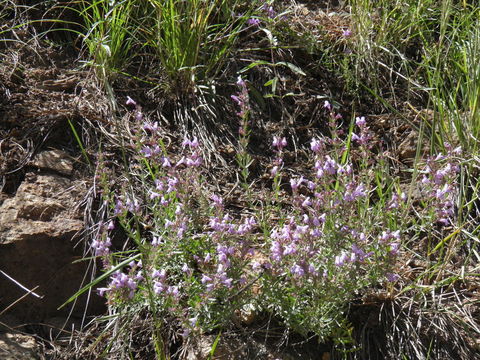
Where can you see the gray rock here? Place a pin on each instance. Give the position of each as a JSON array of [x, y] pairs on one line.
[[18, 347], [56, 160], [39, 228]]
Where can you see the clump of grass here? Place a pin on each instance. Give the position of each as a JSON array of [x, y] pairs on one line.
[[109, 30], [429, 48], [418, 52], [188, 40], [192, 39]]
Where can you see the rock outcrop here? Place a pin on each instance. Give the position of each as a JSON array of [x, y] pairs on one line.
[[39, 228]]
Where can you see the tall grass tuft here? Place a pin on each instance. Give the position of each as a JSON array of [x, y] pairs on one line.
[[109, 33], [429, 48], [192, 38]]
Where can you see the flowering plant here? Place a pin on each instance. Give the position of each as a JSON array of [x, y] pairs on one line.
[[337, 230]]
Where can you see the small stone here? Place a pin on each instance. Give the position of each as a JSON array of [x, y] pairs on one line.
[[16, 346], [56, 160], [247, 315]]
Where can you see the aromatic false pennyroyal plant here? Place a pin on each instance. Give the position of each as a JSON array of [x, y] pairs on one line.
[[198, 264], [333, 243], [244, 159], [194, 252]]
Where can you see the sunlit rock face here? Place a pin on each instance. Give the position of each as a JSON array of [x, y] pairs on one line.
[[40, 227]]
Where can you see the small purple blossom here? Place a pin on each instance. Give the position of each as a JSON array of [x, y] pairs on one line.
[[159, 274], [101, 247], [139, 277], [151, 127], [147, 151], [279, 143], [218, 201], [269, 11], [391, 277], [394, 247], [172, 184], [360, 121], [253, 22], [192, 144], [241, 83], [102, 291], [130, 101], [330, 166], [159, 287], [241, 99], [274, 170], [341, 259], [166, 162], [132, 205], [297, 270], [206, 279], [393, 204], [186, 269], [120, 281], [296, 183], [154, 195], [174, 291], [290, 249], [316, 145], [276, 251], [119, 207]]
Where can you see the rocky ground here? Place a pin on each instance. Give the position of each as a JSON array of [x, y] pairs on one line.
[[43, 188]]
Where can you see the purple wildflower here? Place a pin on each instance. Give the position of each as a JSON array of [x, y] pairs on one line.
[[296, 183], [119, 207], [297, 270], [147, 151], [279, 143], [330, 166], [394, 248], [276, 251], [253, 22], [101, 247], [159, 274], [130, 101], [241, 83], [269, 11], [154, 195], [391, 277], [360, 121], [316, 145], [102, 291], [341, 259], [150, 127]]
